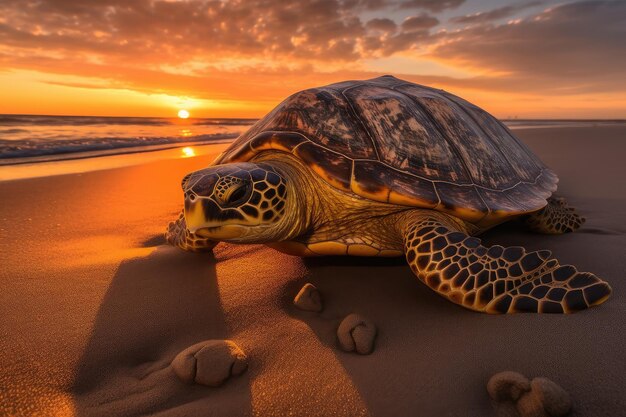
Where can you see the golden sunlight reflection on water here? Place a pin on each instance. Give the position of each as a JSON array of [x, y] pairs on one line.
[[188, 152]]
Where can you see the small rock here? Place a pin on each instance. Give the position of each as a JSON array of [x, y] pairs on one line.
[[529, 405], [514, 395], [308, 298], [507, 386], [210, 363], [556, 401], [357, 333]]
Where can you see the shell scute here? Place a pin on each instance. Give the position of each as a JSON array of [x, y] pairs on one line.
[[480, 158], [331, 166], [521, 159], [371, 179], [328, 120], [464, 202], [405, 137]]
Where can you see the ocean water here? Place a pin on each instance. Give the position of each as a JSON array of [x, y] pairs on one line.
[[31, 138]]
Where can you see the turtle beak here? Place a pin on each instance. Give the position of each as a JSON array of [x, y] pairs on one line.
[[205, 219], [194, 215], [199, 209], [202, 213]]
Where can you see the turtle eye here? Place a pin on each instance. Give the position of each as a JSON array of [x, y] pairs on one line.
[[235, 194], [238, 194]]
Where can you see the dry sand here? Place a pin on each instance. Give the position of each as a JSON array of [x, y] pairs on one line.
[[93, 306]]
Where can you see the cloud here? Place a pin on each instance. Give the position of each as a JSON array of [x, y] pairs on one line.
[[575, 47], [382, 25], [266, 49], [431, 5], [494, 14], [420, 22]]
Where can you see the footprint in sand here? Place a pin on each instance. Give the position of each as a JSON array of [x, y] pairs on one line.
[[210, 363], [514, 395], [356, 334], [308, 299]]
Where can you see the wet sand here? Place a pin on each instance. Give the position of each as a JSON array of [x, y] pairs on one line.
[[94, 306]]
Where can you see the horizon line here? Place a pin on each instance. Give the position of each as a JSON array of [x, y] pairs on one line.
[[258, 118]]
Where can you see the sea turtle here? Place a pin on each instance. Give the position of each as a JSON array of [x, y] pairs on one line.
[[386, 167]]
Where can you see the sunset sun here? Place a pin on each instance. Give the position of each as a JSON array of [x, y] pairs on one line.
[[183, 114]]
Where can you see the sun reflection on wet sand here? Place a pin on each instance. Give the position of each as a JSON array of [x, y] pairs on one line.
[[72, 166], [188, 152]]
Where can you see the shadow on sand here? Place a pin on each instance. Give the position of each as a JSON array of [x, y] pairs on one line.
[[155, 307], [433, 357], [409, 371]]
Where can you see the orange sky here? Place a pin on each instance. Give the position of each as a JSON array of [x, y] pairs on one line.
[[533, 59]]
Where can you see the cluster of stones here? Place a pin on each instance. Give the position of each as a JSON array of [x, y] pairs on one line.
[[497, 279], [213, 362], [355, 332], [514, 395]]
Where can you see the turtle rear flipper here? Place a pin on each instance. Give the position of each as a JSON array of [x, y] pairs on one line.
[[178, 235], [496, 279], [555, 218]]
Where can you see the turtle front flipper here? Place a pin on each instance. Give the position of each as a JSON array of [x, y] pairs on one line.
[[178, 235], [555, 218], [496, 279]]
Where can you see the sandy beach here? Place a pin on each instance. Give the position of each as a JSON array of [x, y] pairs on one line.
[[94, 306]]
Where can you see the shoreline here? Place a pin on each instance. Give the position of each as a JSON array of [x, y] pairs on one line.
[[103, 162], [70, 156], [79, 162]]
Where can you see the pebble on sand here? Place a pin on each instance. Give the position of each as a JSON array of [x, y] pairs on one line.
[[537, 398], [210, 363], [357, 333], [507, 386], [308, 298]]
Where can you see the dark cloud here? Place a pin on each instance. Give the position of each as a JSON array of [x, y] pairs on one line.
[[383, 25], [421, 22], [404, 41], [432, 5], [494, 14], [575, 47], [365, 4]]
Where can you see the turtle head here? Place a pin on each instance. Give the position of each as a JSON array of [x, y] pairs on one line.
[[238, 202]]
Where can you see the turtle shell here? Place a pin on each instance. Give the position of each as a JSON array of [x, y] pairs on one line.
[[394, 141]]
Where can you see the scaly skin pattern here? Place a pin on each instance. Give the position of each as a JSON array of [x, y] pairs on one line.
[[261, 202], [495, 279], [555, 218], [329, 221], [178, 235]]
